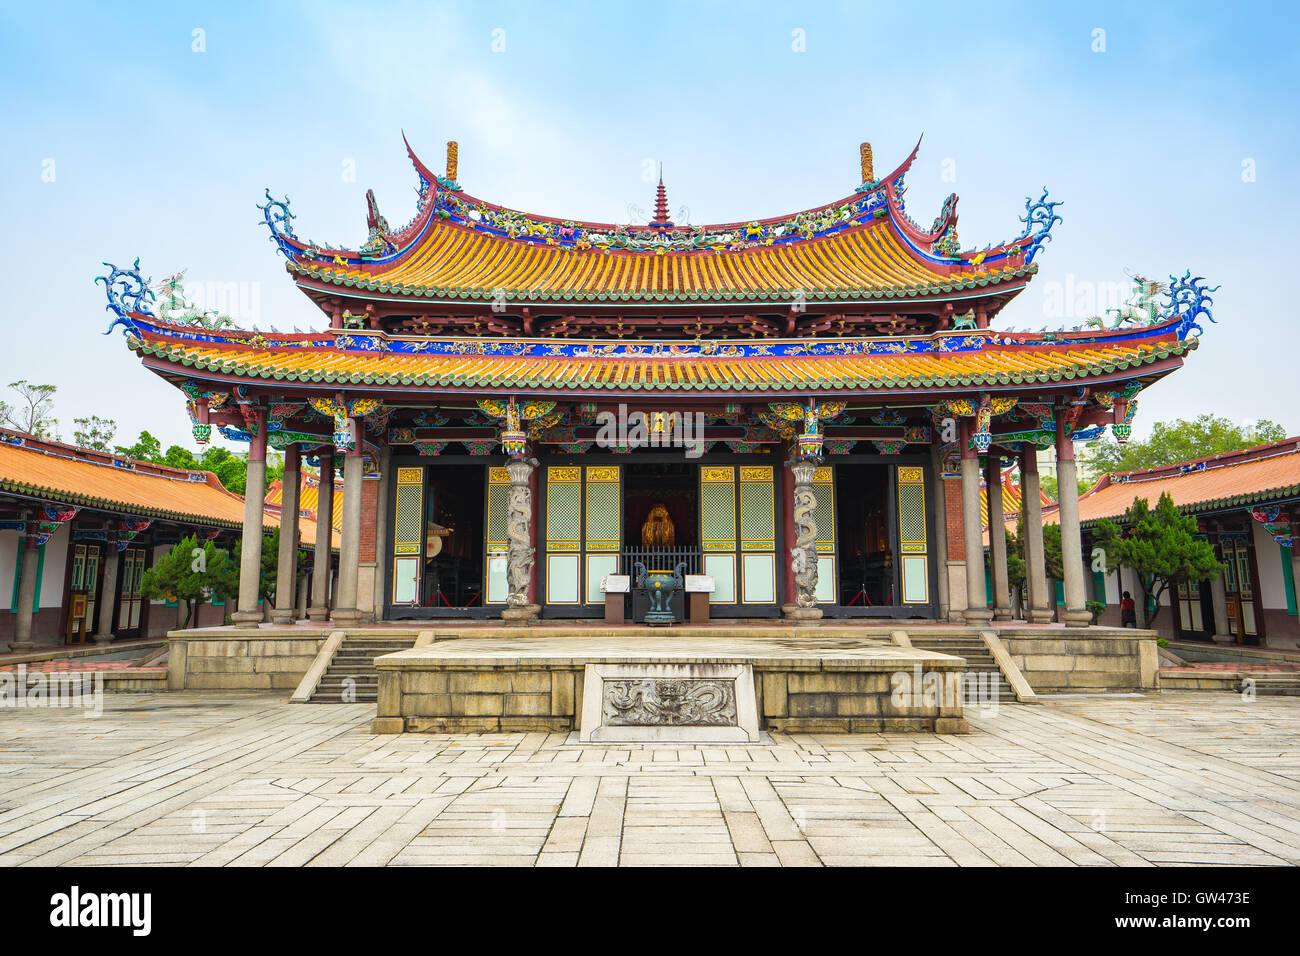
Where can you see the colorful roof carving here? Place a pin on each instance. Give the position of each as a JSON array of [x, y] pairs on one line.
[[377, 360], [862, 247]]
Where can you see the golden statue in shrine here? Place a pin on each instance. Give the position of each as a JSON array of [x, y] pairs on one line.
[[658, 532]]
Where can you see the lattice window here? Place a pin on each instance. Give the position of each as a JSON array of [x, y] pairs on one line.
[[563, 510], [604, 507], [824, 513], [718, 509], [912, 538], [498, 508], [757, 509]]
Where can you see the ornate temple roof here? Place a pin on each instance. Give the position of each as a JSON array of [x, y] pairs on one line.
[[862, 247], [378, 361]]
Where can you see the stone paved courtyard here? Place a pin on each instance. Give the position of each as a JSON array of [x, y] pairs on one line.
[[249, 780]]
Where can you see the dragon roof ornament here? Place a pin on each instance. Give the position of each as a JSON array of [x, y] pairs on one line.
[[128, 292], [279, 220], [1039, 218]]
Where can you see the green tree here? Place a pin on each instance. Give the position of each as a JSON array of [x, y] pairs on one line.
[[190, 572], [33, 412], [1160, 544], [178, 457], [94, 432], [146, 448], [1179, 440]]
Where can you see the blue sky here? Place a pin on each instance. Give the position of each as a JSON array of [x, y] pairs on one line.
[[162, 152]]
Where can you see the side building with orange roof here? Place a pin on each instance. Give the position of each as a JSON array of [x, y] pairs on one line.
[[78, 529], [1247, 504]]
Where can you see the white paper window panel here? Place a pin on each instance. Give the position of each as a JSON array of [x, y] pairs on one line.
[[916, 583], [406, 578], [498, 586]]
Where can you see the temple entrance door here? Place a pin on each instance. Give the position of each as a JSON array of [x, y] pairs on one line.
[[882, 548], [583, 536], [83, 583], [448, 540], [130, 607], [738, 538], [1242, 624]]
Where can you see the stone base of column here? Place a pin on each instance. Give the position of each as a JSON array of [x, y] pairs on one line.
[[977, 616], [806, 616], [1222, 638], [1077, 618], [346, 616], [21, 647], [318, 614], [103, 639], [1003, 614], [286, 616], [1039, 615], [524, 616], [247, 618]]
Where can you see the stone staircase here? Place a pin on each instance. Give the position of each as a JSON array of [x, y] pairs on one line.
[[355, 661], [972, 648]]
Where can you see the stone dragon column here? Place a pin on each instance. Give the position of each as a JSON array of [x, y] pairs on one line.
[[803, 555], [521, 553]]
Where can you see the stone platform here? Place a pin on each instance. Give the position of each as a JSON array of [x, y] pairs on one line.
[[804, 679]]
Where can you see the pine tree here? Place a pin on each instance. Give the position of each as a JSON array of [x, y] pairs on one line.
[[1160, 544], [190, 572]]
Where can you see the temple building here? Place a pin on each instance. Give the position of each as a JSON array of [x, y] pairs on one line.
[[78, 529], [794, 412]]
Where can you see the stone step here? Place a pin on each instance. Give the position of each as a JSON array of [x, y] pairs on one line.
[[353, 669]]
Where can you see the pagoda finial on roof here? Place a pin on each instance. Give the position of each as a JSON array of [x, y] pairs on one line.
[[868, 167], [453, 160], [661, 219]]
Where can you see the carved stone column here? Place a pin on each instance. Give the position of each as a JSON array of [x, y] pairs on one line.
[[323, 556], [26, 592], [520, 553], [1039, 607], [286, 575], [1067, 485], [977, 611], [108, 593], [250, 554], [803, 555], [997, 539]]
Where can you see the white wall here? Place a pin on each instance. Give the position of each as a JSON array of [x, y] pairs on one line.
[[55, 567], [8, 563], [1268, 558]]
